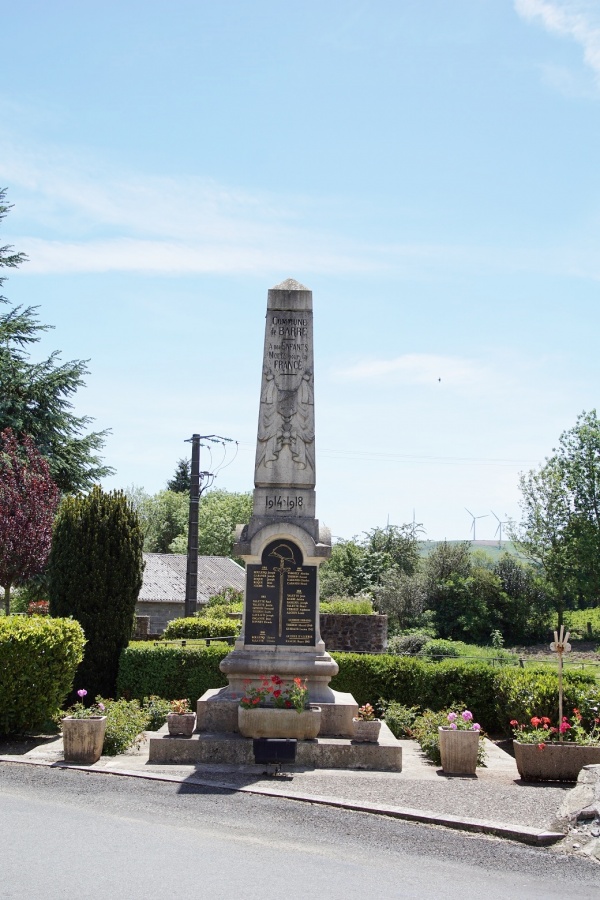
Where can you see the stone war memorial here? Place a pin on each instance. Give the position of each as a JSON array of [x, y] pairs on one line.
[[283, 546]]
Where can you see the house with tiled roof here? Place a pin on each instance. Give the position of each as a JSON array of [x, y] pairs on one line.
[[162, 596]]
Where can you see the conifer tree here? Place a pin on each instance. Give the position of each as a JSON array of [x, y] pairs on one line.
[[95, 575]]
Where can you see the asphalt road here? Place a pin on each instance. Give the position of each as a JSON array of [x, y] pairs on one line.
[[68, 834]]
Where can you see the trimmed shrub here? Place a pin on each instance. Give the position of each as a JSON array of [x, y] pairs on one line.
[[523, 693], [170, 671], [440, 648], [95, 574], [195, 628], [38, 660], [407, 644], [347, 606]]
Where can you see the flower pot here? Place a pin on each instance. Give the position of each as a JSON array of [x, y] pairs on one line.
[[458, 750], [558, 761], [181, 723], [270, 722], [83, 739], [366, 730]]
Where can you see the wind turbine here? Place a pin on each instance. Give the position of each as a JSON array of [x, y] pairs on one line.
[[499, 528], [474, 521]]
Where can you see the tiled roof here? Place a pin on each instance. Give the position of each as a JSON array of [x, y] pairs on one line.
[[164, 577]]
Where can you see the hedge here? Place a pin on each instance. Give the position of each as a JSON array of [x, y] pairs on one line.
[[38, 660], [198, 627], [495, 695], [170, 672]]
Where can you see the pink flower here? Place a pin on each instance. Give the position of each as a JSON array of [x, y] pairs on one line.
[[453, 726], [101, 707], [81, 693], [451, 717], [564, 726], [467, 716], [475, 726], [541, 746]]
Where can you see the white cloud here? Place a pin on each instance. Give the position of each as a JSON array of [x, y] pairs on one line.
[[576, 19]]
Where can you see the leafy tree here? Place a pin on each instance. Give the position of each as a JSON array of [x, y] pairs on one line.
[[401, 597], [28, 499], [180, 482], [163, 517], [219, 514], [95, 574], [399, 542], [35, 398]]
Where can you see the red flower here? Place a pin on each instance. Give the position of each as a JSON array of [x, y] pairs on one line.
[[288, 704], [256, 700], [545, 720], [536, 722], [554, 731], [564, 726], [276, 679], [277, 693], [514, 723], [541, 746]]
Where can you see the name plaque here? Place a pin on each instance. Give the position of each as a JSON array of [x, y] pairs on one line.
[[281, 598]]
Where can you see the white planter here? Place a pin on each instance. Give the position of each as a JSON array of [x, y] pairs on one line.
[[269, 722], [366, 731], [181, 723], [458, 750], [558, 761], [83, 739]]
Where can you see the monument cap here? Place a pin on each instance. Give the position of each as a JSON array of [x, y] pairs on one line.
[[290, 295]]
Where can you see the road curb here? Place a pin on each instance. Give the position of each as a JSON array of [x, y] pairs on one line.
[[523, 833]]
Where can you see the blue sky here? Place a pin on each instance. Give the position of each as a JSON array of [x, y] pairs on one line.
[[429, 170]]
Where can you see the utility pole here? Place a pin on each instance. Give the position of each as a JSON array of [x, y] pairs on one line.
[[191, 575], [196, 477]]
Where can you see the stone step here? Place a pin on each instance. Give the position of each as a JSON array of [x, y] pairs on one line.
[[322, 753]]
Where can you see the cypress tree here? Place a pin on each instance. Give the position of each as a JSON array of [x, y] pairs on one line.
[[95, 575]]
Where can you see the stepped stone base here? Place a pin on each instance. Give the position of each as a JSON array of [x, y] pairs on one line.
[[322, 753], [217, 711]]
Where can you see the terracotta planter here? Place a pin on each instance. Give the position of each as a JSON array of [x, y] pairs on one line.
[[181, 723], [556, 762], [366, 731], [458, 750], [268, 722], [83, 739]]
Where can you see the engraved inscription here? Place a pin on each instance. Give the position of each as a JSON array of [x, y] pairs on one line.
[[283, 502], [281, 597]]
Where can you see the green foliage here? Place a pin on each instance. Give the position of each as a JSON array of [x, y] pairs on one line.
[[358, 565], [229, 596], [402, 598], [348, 606], [198, 627], [125, 720], [577, 623], [560, 516], [181, 480], [523, 693], [407, 644], [157, 709], [38, 660], [95, 574], [439, 648], [399, 718], [425, 730], [219, 514], [170, 671]]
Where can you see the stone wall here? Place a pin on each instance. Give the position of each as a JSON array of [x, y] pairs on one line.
[[366, 634], [160, 614]]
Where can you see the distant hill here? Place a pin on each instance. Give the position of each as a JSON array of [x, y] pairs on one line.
[[495, 549]]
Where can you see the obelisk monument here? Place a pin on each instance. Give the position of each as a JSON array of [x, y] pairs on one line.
[[283, 545]]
